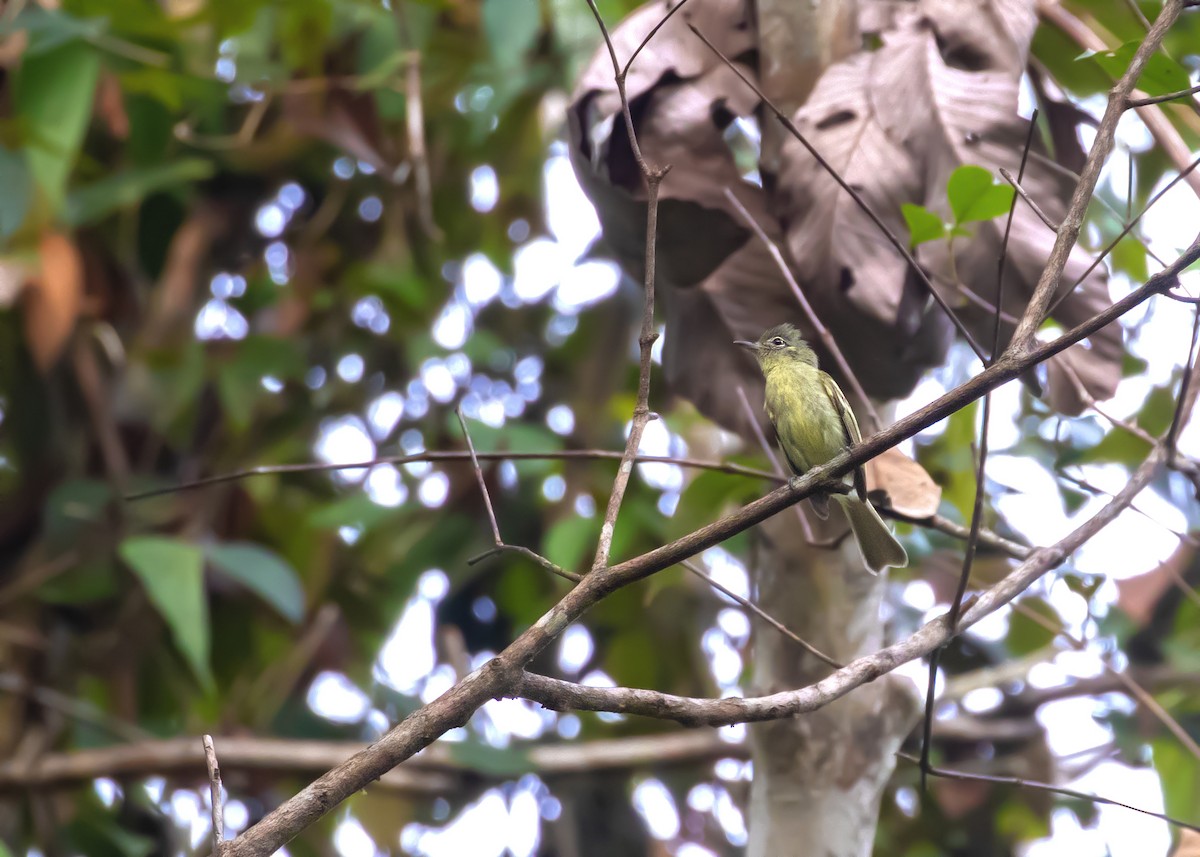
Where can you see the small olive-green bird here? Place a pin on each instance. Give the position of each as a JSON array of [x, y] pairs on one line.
[[814, 422]]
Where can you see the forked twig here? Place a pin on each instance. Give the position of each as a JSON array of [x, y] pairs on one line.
[[491, 513]]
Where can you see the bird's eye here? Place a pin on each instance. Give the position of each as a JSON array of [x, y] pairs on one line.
[[778, 342]]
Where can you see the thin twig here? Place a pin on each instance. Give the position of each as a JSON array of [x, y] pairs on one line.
[[1183, 407], [981, 468], [218, 802], [762, 614], [1045, 787], [487, 498], [1024, 194], [809, 313], [491, 513], [504, 674], [1180, 176], [858, 200], [450, 455], [653, 32], [1044, 292], [652, 176], [1159, 99], [414, 123]]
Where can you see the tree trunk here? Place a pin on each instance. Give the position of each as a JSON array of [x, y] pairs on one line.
[[818, 778]]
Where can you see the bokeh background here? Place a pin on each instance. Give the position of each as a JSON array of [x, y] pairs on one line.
[[225, 247]]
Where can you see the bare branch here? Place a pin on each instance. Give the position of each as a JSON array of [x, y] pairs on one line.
[[1024, 194], [1159, 99], [762, 614], [1045, 787], [491, 513], [414, 123], [454, 455], [218, 801], [505, 673]]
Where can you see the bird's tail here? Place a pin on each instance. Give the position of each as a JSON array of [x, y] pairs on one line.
[[879, 547]]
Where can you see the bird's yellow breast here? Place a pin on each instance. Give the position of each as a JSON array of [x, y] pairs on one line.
[[806, 420]]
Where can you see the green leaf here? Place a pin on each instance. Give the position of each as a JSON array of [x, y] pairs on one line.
[[356, 510], [1160, 76], [1026, 635], [264, 572], [492, 761], [511, 26], [172, 572], [1180, 775], [568, 541], [54, 102], [974, 196], [99, 199], [14, 201], [923, 224], [46, 29]]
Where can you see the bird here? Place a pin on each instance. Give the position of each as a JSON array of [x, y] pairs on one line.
[[813, 423]]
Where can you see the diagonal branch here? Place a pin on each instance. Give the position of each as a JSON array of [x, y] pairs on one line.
[[1068, 231], [491, 513], [504, 674], [562, 695]]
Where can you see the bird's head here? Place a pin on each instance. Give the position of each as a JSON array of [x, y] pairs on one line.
[[780, 345]]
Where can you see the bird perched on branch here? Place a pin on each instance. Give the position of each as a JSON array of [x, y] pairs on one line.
[[813, 423]]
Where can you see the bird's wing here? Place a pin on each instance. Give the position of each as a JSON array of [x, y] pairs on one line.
[[849, 427]]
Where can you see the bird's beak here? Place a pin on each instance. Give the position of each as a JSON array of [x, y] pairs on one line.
[[751, 346]]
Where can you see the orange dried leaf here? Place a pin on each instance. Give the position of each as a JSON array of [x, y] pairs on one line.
[[53, 299]]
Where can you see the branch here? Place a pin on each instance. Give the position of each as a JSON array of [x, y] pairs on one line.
[[214, 790], [762, 614], [436, 771], [562, 695], [452, 455], [491, 513], [1045, 787], [504, 674], [1068, 231], [1159, 99]]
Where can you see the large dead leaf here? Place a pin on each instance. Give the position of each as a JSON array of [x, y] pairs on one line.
[[910, 489], [939, 93], [53, 299]]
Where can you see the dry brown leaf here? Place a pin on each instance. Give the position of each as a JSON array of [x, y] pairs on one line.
[[910, 489], [53, 299], [110, 106], [1138, 596], [940, 93], [1189, 844]]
